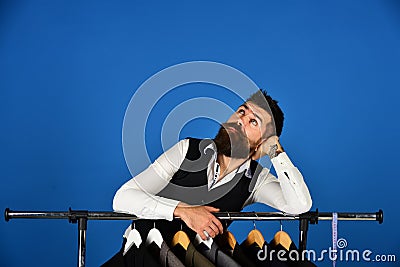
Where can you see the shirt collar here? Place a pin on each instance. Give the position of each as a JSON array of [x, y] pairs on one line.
[[245, 167]]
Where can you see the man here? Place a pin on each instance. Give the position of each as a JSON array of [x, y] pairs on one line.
[[219, 174]]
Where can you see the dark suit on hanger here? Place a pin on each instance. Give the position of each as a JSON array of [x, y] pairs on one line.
[[236, 253], [264, 258], [191, 257], [144, 256], [196, 259], [290, 262], [216, 256], [168, 258]]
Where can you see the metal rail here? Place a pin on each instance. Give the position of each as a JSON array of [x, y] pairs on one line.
[[82, 216]]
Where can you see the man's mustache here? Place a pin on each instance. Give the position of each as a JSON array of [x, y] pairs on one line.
[[233, 125]]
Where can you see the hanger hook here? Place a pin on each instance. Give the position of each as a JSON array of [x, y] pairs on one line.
[[226, 224], [280, 221], [254, 222], [154, 225]]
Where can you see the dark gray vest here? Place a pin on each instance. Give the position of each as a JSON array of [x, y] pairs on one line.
[[189, 184]]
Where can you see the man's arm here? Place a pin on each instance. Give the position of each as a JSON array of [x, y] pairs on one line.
[[288, 192], [138, 195]]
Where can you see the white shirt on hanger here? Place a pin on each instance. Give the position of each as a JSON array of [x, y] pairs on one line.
[[287, 193]]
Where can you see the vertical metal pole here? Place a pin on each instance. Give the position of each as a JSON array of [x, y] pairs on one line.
[[82, 227], [303, 234]]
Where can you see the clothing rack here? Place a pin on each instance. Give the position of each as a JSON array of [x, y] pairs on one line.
[[82, 216]]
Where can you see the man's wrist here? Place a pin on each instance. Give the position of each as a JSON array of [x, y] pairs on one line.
[[279, 149], [272, 152], [178, 212]]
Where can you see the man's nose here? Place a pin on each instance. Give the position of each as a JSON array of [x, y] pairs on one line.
[[241, 122]]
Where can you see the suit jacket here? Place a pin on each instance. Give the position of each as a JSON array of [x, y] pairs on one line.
[[191, 257], [236, 253], [196, 259], [216, 256], [290, 262], [135, 257], [168, 258], [264, 258]]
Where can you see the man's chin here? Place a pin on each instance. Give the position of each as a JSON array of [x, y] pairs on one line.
[[240, 154]]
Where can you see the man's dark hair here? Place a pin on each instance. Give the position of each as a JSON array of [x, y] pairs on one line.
[[270, 105]]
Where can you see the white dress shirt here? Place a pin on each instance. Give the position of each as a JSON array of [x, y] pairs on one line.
[[287, 193]]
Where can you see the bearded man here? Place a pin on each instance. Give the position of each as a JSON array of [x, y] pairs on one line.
[[197, 177]]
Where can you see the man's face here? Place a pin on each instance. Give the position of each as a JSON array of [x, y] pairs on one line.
[[243, 131]]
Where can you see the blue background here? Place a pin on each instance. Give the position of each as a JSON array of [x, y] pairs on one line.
[[68, 70]]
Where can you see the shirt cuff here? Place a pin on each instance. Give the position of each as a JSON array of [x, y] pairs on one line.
[[282, 161], [166, 207]]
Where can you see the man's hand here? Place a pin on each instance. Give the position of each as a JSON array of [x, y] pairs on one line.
[[200, 219], [270, 147]]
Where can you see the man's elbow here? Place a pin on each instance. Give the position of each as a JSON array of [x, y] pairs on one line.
[[299, 208], [306, 207], [117, 201]]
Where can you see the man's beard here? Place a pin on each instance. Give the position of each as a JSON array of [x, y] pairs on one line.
[[234, 144]]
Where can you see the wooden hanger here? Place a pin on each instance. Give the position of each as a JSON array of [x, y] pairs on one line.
[[228, 239], [282, 238], [256, 237], [181, 238]]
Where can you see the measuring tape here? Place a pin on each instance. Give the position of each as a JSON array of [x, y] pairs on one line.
[[334, 237]]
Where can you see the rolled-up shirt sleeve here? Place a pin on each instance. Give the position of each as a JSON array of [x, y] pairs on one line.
[[138, 196], [288, 193]]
